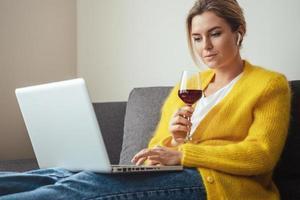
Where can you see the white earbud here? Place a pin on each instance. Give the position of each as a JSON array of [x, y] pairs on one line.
[[239, 39]]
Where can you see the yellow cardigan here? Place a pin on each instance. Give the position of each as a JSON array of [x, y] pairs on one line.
[[238, 143]]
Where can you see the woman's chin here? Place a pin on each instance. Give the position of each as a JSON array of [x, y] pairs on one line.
[[211, 64]]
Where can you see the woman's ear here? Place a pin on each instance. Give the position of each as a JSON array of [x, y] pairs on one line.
[[239, 37]]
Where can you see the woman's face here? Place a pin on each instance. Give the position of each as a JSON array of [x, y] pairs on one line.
[[213, 40]]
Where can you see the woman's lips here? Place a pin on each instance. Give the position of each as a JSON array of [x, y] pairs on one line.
[[210, 55]]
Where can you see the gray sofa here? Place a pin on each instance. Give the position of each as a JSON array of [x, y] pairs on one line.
[[127, 127]]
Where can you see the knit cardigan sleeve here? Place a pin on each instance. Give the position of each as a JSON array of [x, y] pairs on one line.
[[259, 152]]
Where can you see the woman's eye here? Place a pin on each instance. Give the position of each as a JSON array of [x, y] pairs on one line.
[[197, 39], [216, 34]]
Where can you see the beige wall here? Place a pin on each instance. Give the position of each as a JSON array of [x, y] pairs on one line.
[[37, 45], [131, 43]]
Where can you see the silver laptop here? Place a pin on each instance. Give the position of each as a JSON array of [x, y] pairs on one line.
[[64, 130]]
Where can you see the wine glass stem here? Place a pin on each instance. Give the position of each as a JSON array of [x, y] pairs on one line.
[[188, 134]]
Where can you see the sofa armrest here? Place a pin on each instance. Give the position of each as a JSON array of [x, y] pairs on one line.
[[110, 116]]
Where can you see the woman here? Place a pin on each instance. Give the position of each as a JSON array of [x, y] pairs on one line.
[[238, 130], [238, 142]]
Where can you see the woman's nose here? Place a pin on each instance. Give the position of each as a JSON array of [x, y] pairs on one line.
[[207, 45]]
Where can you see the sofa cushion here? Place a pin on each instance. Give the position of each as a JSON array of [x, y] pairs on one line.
[[289, 164], [141, 118], [21, 165], [110, 116]]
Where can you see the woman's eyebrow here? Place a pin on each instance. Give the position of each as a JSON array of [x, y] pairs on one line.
[[209, 30], [214, 28]]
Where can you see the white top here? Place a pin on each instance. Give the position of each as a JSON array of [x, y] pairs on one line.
[[205, 104]]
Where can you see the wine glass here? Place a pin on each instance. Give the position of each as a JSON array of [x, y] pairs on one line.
[[190, 90]]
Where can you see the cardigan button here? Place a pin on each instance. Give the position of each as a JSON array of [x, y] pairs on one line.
[[210, 179]]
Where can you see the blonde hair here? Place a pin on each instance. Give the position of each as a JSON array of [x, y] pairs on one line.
[[229, 10]]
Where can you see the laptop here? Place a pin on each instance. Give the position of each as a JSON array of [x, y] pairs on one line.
[[64, 130]]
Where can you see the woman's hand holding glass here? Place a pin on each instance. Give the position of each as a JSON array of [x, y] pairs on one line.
[[180, 125]]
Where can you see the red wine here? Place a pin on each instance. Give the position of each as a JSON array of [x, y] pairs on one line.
[[190, 96]]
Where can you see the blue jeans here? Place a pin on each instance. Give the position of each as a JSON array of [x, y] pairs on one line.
[[59, 183]]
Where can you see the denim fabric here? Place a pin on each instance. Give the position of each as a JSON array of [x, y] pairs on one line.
[[46, 184]]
